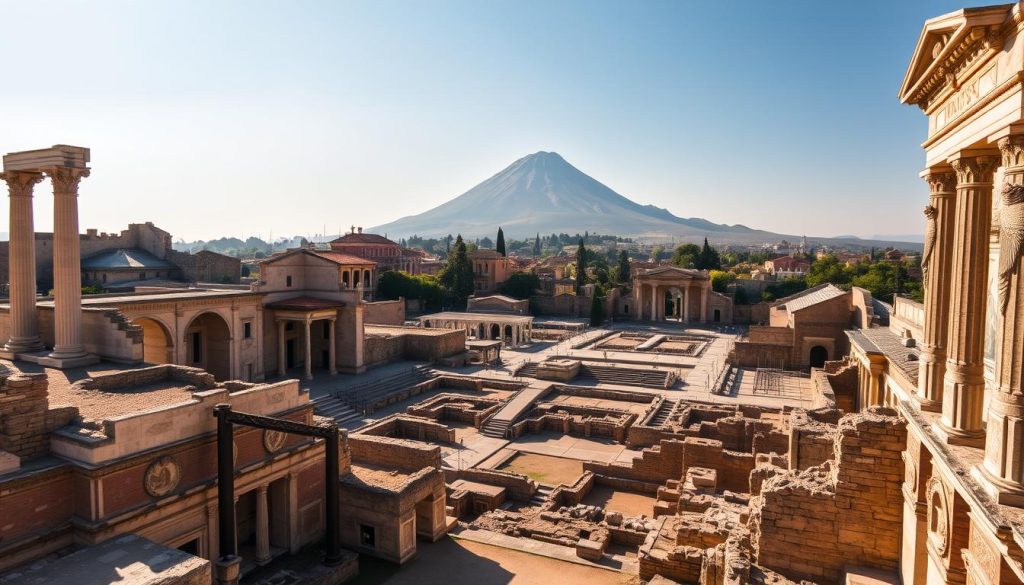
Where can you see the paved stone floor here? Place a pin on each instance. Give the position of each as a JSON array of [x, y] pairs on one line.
[[464, 562]]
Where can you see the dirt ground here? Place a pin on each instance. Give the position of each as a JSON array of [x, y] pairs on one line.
[[461, 562], [545, 469], [629, 503]]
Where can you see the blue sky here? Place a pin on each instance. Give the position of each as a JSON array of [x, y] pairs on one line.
[[242, 118]]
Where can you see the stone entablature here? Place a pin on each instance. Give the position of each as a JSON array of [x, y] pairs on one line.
[[680, 294]]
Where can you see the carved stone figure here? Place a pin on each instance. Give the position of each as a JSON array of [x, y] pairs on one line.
[[929, 241], [1011, 239], [162, 476]]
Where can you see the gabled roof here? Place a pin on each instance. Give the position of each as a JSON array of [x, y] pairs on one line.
[[669, 270], [332, 257], [361, 238], [124, 259], [811, 297], [943, 41]]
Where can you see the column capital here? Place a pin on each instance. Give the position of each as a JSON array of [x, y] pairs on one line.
[[941, 180], [20, 183], [65, 180], [1012, 150], [973, 166]]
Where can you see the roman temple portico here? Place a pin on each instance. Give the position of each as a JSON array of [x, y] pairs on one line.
[[672, 293], [65, 166]]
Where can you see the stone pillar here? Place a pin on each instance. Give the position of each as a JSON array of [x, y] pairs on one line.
[[262, 526], [282, 354], [964, 382], [22, 264], [686, 305], [935, 263], [703, 317], [332, 353], [654, 305], [1003, 469], [309, 349], [68, 350]]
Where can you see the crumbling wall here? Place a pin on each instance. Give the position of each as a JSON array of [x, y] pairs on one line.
[[26, 419], [401, 454], [835, 385], [810, 524]]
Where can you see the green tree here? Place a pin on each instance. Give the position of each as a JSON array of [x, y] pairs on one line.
[[828, 269], [656, 253], [686, 255], [536, 246], [720, 280], [457, 276], [708, 258], [581, 266], [520, 285], [623, 268], [783, 288], [596, 310], [500, 245]]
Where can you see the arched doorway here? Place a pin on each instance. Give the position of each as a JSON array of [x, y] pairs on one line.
[[718, 315], [508, 334], [157, 343], [819, 355], [208, 345], [495, 331], [480, 331]]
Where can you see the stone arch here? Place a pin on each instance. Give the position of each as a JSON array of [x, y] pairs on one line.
[[480, 331], [495, 331], [509, 334], [208, 344], [818, 356], [157, 341]]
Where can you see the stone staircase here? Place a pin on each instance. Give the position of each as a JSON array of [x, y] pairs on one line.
[[335, 408], [372, 395], [495, 428], [664, 411], [540, 497], [625, 376], [529, 369], [123, 323]]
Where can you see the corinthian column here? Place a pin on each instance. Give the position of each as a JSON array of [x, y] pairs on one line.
[[1003, 469], [22, 263], [964, 392], [935, 264], [67, 270]]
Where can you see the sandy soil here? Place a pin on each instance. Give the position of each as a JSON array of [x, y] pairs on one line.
[[545, 469], [630, 504], [460, 562]]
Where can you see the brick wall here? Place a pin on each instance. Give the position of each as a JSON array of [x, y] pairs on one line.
[[398, 453], [25, 416], [810, 524], [384, 313]]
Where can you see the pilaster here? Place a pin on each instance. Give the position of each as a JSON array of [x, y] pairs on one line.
[[935, 265], [964, 383]]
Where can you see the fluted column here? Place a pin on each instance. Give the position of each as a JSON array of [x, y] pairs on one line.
[[309, 349], [1003, 469], [67, 269], [964, 392], [22, 263], [935, 264], [282, 354], [262, 526], [332, 349], [686, 305]]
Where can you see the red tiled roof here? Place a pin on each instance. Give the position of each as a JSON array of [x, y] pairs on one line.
[[342, 258], [360, 238]]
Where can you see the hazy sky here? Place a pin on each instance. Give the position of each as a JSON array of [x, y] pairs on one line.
[[242, 118]]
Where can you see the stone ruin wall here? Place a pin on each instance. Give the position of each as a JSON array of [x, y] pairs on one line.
[[26, 419]]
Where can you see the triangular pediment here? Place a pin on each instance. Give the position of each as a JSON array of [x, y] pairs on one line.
[[942, 40], [672, 272]]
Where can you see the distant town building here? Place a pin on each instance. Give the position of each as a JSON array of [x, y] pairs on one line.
[[387, 254], [786, 267]]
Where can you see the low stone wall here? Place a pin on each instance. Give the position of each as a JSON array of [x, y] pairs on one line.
[[520, 487], [401, 454], [835, 385], [380, 349], [456, 407], [398, 426], [747, 354], [384, 312], [656, 464], [570, 495], [198, 377], [811, 441], [26, 418]]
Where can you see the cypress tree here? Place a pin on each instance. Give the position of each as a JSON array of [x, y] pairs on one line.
[[536, 246], [581, 266], [457, 275], [499, 246], [596, 311], [623, 267]]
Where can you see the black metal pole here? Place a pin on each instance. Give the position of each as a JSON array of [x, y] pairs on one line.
[[333, 507], [225, 482]]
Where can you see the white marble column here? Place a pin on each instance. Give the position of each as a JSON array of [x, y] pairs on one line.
[[686, 304], [309, 349], [282, 355], [22, 263], [262, 526], [332, 344], [67, 269]]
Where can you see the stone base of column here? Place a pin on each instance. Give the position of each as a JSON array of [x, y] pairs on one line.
[[958, 437], [55, 360], [227, 569], [1004, 492], [925, 404], [23, 345]]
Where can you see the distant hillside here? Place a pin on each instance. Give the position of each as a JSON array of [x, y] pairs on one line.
[[543, 193]]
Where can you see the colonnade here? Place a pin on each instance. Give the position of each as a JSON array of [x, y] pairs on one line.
[[682, 309], [956, 264], [22, 171], [307, 323], [520, 332]]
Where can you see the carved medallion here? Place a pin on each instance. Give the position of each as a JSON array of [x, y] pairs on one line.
[[938, 516], [273, 440], [162, 476]]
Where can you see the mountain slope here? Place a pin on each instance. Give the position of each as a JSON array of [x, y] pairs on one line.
[[543, 193]]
